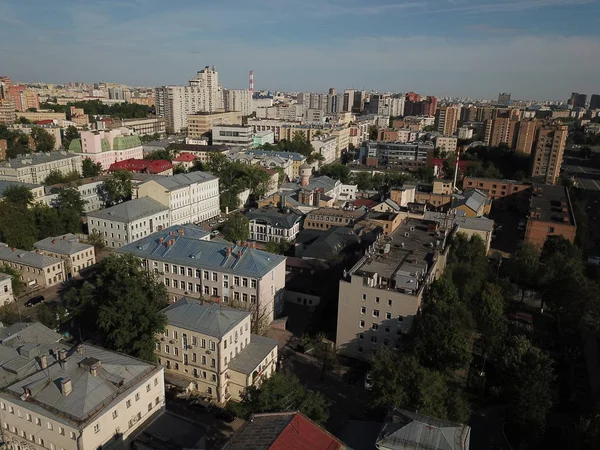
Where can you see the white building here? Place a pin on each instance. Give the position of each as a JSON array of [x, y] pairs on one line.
[[263, 137], [465, 133], [189, 197], [446, 143], [76, 255], [6, 292], [327, 147], [59, 397], [233, 135], [348, 192], [273, 225], [35, 167], [238, 100], [175, 103], [129, 221]]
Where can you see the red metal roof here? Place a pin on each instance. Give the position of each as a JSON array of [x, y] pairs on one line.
[[365, 202], [269, 171], [185, 157], [45, 122], [302, 434], [142, 165]]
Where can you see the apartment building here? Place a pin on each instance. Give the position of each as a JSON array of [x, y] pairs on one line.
[[526, 135], [395, 154], [35, 167], [108, 147], [289, 162], [507, 195], [129, 221], [200, 123], [550, 214], [327, 147], [213, 347], [79, 117], [380, 296], [263, 137], [326, 218], [501, 130], [446, 143], [221, 271], [7, 111], [38, 116], [38, 271], [548, 152], [270, 224], [176, 103], [3, 149], [465, 133], [76, 255], [239, 100], [189, 197], [6, 291], [447, 120], [56, 396], [143, 127], [233, 135]]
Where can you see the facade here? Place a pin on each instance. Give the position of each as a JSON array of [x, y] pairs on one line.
[[189, 197], [548, 152], [6, 291], [507, 195], [3, 149], [472, 203], [550, 214], [200, 123], [403, 196], [37, 270], [76, 255], [325, 218], [446, 143], [273, 225], [90, 189], [526, 136], [129, 221], [447, 120], [470, 226], [233, 135], [239, 100], [7, 111], [263, 137], [35, 167], [176, 103], [213, 347], [500, 130], [465, 133], [392, 154], [79, 117], [327, 147], [202, 152], [222, 271], [36, 190], [143, 127], [186, 160], [380, 296], [289, 162], [38, 116], [70, 398], [108, 147]]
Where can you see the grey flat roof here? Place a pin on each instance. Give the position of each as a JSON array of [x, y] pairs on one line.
[[131, 210], [183, 180], [27, 258], [274, 217], [173, 248], [37, 158], [470, 223], [549, 202], [207, 318], [66, 244], [286, 155], [251, 356]]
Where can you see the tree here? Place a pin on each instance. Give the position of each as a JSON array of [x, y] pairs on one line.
[[363, 180], [17, 226], [526, 268], [117, 188], [123, 303], [57, 177], [17, 284], [236, 228], [336, 171], [9, 314], [279, 248], [47, 221], [44, 141], [90, 169], [70, 207], [70, 134], [373, 132], [97, 240], [160, 154], [197, 166], [488, 311], [18, 195], [283, 392], [217, 162]]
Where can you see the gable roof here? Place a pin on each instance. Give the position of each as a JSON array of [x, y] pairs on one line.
[[473, 199], [130, 210], [406, 430], [274, 217], [183, 180], [211, 319], [66, 244], [27, 258]]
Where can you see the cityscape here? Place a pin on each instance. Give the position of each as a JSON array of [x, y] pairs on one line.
[[197, 266]]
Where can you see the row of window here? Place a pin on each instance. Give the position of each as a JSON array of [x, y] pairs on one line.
[[206, 275], [375, 326], [377, 299]]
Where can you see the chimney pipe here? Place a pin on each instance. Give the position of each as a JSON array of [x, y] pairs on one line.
[[80, 349], [53, 241], [66, 387], [43, 362], [62, 354]]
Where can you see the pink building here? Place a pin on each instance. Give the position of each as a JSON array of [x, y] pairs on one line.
[[108, 147]]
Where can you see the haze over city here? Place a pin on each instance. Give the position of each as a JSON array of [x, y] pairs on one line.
[[536, 49]]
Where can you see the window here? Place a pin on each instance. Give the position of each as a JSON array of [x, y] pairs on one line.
[[61, 431], [203, 359], [236, 281], [176, 351], [212, 345], [38, 421], [253, 284], [28, 417], [376, 299], [128, 403], [361, 324], [361, 336], [388, 315], [175, 284], [213, 362], [194, 340], [375, 326], [215, 292], [115, 414], [389, 303], [167, 349], [205, 275], [375, 313], [156, 401], [364, 297], [387, 329], [148, 387], [245, 297], [550, 229], [189, 272], [137, 396], [203, 343], [374, 339], [245, 282], [214, 377], [214, 276], [182, 270], [149, 406], [363, 309], [50, 426], [400, 318], [96, 428]]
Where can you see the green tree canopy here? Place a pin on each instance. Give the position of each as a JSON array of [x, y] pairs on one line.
[[235, 228], [70, 133], [18, 285], [17, 142], [70, 207], [166, 154], [18, 195], [57, 177], [44, 141], [17, 226], [118, 188], [337, 171], [90, 169]]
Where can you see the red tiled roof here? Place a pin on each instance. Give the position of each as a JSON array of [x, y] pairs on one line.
[[365, 202], [269, 171], [142, 165], [302, 434], [45, 122], [185, 157]]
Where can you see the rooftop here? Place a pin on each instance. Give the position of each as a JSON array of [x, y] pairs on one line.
[[323, 182], [252, 355], [185, 157], [27, 258], [33, 159], [142, 165], [6, 184], [335, 212], [183, 180], [551, 204], [473, 199], [470, 223], [172, 247], [286, 155], [199, 148], [67, 244], [211, 319], [325, 244], [131, 210], [274, 217]]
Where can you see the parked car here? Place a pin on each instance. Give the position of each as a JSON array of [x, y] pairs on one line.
[[201, 405], [34, 300], [215, 233], [226, 415]]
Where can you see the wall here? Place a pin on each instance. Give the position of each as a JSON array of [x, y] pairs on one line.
[[537, 231]]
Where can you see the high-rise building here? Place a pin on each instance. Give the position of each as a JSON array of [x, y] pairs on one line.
[[413, 97], [500, 130], [580, 101], [204, 94], [430, 105], [526, 135], [331, 91], [447, 120], [348, 100], [238, 100], [359, 101], [468, 114], [595, 101], [548, 152], [116, 93], [484, 113], [504, 98], [7, 111]]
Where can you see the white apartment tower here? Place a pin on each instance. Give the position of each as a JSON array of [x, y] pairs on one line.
[[238, 100], [204, 94]]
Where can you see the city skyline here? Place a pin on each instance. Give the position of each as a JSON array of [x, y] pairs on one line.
[[483, 48]]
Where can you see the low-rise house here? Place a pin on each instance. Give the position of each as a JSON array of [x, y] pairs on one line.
[[273, 225], [213, 348], [38, 271], [201, 151], [35, 167], [6, 291], [53, 395], [471, 226], [446, 143], [550, 214], [472, 203], [185, 160], [325, 218], [129, 221], [329, 244], [90, 189], [77, 255], [327, 147], [388, 205], [50, 128]]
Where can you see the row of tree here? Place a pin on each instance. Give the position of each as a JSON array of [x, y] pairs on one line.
[[298, 144], [382, 182], [18, 143], [96, 107]]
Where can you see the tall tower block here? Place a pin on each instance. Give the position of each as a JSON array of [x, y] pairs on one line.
[[251, 81]]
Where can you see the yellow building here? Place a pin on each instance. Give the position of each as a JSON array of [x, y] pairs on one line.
[[201, 123]]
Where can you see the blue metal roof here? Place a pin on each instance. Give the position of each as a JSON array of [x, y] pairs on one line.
[[295, 156]]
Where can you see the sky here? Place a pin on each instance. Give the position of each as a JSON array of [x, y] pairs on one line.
[[535, 49]]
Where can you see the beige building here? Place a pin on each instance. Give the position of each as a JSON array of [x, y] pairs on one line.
[[212, 347], [327, 146], [548, 152], [77, 255], [380, 296], [143, 127], [325, 218], [447, 120], [526, 136], [6, 292], [38, 271], [446, 143], [43, 115], [200, 123], [35, 167], [79, 117], [7, 111], [55, 396], [37, 190]]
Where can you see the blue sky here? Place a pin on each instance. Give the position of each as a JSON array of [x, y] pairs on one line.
[[536, 49]]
